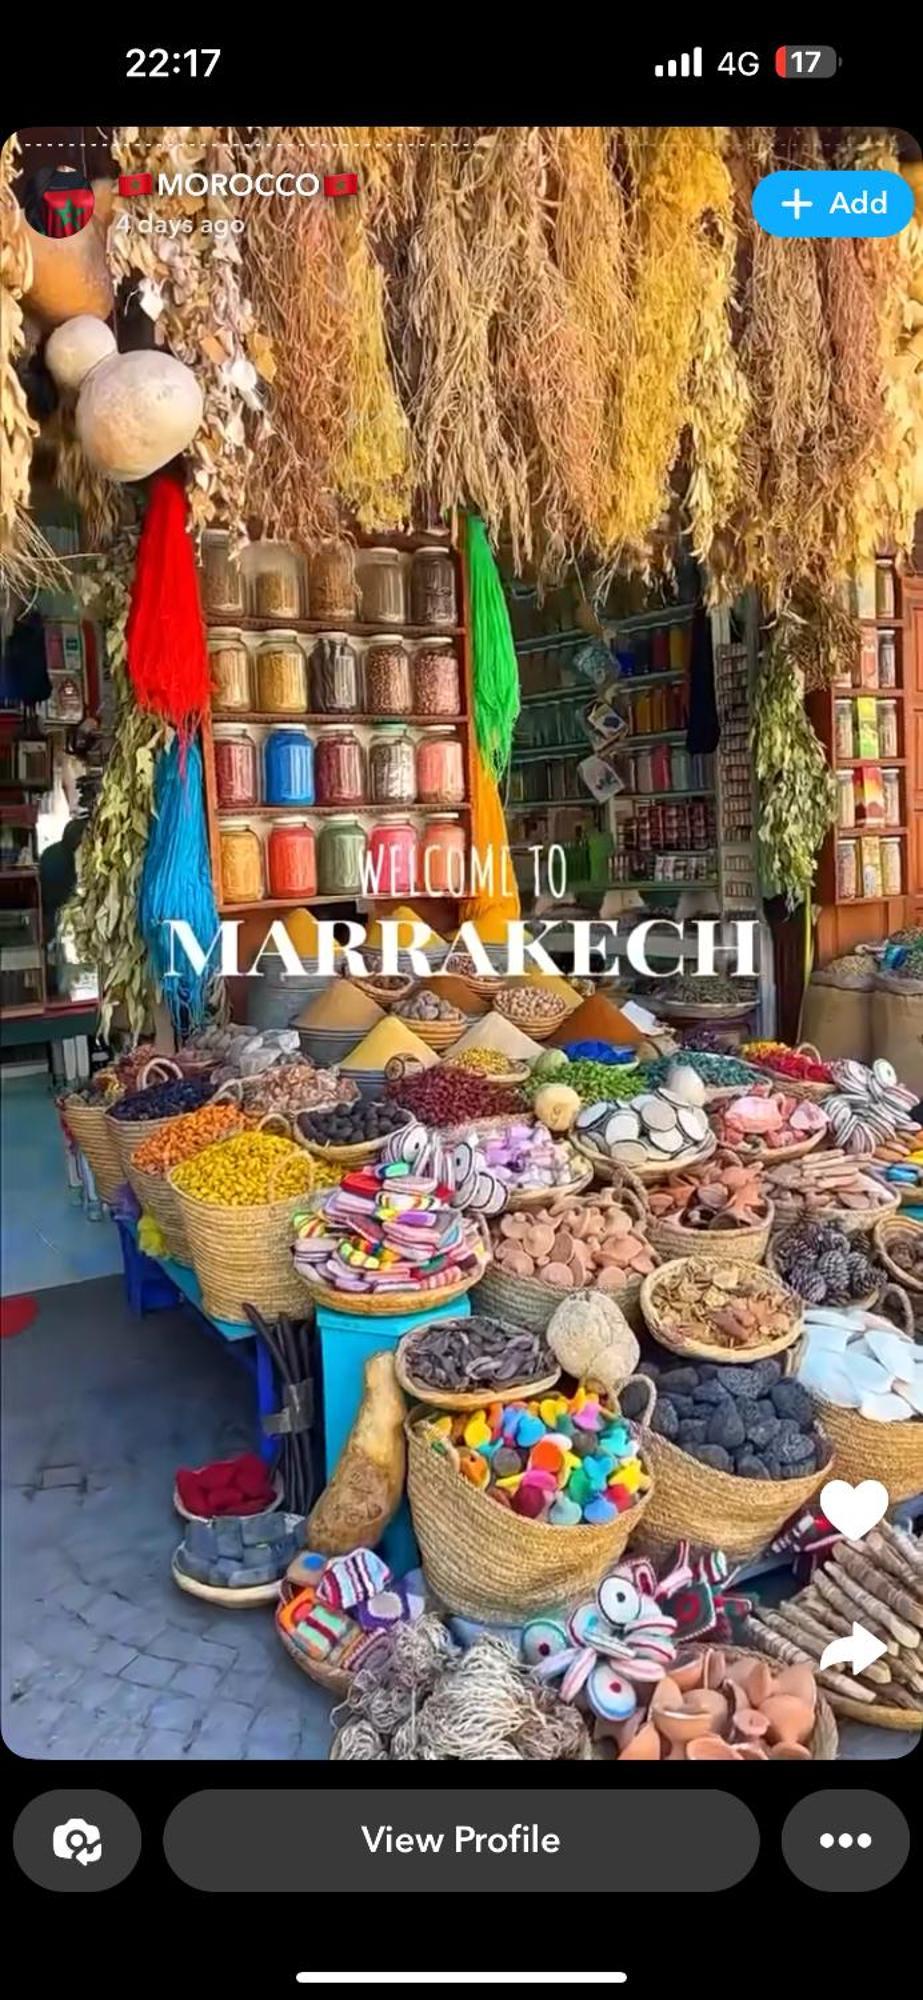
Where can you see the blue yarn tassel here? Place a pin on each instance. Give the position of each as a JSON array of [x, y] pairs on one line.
[[176, 882]]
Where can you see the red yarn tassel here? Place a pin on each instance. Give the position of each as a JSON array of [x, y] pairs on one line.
[[165, 635]]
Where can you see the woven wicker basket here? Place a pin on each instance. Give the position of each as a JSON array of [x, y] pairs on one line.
[[505, 1004], [529, 1302], [716, 1510], [734, 1246], [465, 1399], [384, 996], [504, 1079], [877, 1714], [892, 1453], [529, 1199], [886, 1232], [611, 1170], [861, 1305], [343, 1156], [706, 1010], [90, 1127], [485, 1562], [328, 1674], [158, 1199], [129, 1134], [439, 1035], [243, 1255], [814, 1092], [776, 1155], [852, 1221], [702, 1350], [230, 1600]]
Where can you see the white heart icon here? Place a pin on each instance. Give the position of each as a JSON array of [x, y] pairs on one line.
[[854, 1510]]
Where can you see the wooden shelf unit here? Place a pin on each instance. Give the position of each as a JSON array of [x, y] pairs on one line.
[[846, 921], [461, 723]]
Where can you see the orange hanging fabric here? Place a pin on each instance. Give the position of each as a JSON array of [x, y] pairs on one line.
[[497, 905]]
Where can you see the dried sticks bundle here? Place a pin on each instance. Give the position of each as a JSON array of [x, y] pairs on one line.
[[878, 1581]]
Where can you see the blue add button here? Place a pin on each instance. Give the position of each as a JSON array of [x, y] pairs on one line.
[[819, 203]]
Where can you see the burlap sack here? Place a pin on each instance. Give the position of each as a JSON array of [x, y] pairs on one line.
[[897, 1030], [838, 1020]]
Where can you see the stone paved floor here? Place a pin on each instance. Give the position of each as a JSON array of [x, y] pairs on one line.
[[47, 1241], [103, 1656]]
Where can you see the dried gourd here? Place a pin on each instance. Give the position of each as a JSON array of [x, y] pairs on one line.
[[366, 1485]]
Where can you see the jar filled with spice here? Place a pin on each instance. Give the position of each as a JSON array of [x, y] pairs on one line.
[[892, 874], [381, 587], [340, 858], [845, 799], [292, 859], [887, 729], [843, 728], [333, 587], [887, 660], [236, 770], [281, 679], [274, 571], [884, 590], [440, 769], [891, 797], [436, 679], [388, 687], [229, 671], [241, 855], [392, 769], [339, 768], [442, 857], [222, 576], [847, 871], [393, 858], [335, 675], [289, 767], [432, 588]]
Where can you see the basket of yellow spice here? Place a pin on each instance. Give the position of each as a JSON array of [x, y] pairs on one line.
[[236, 1201], [177, 1140]]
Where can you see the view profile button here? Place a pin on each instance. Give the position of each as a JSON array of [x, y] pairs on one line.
[[360, 1841]]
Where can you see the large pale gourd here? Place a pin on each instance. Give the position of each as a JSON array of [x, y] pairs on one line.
[[366, 1486], [136, 412], [73, 349], [70, 275]]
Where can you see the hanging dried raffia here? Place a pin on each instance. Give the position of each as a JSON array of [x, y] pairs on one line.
[[460, 275], [371, 470], [27, 562], [190, 286], [718, 397], [679, 181], [889, 497]]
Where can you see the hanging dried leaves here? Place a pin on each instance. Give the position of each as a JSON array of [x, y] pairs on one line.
[[27, 562], [797, 788], [190, 286]]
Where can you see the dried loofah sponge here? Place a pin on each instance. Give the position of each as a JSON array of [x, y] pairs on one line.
[[590, 1336], [365, 1488]]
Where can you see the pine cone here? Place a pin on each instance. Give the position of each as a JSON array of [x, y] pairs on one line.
[[862, 1276], [806, 1279], [833, 1267]]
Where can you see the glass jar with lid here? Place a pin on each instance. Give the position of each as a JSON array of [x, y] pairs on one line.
[[442, 857], [339, 768], [222, 576], [281, 678], [392, 868], [289, 767], [333, 589], [229, 671], [334, 675], [381, 587], [236, 769], [436, 678], [241, 855], [292, 859], [432, 588], [340, 857], [388, 685], [440, 769], [392, 768], [887, 729], [274, 575]]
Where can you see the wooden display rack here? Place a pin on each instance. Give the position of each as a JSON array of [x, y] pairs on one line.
[[846, 921], [440, 912]]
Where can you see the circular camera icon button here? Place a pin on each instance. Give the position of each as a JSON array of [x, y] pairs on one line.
[[77, 1842]]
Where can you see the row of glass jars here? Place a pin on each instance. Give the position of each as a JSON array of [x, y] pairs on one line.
[[270, 580], [336, 770], [335, 677], [342, 859]]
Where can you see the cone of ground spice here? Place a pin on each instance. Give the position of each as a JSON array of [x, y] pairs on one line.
[[340, 1007], [596, 1020], [389, 1037], [495, 1032]]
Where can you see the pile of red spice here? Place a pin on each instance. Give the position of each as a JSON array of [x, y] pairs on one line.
[[229, 1486], [440, 1096]]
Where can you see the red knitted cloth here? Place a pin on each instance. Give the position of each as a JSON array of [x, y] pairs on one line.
[[165, 635]]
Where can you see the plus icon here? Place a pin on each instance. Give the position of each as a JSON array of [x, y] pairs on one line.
[[797, 203]]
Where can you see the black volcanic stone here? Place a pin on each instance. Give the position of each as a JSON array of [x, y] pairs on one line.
[[713, 1455], [726, 1426]]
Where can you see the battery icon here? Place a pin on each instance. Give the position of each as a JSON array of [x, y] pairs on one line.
[[804, 62]]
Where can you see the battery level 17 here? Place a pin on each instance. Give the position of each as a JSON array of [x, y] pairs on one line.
[[804, 62]]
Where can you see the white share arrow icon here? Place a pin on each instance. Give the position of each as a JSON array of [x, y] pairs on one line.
[[857, 1652]]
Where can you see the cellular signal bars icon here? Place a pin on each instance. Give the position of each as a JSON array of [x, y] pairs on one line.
[[681, 66]]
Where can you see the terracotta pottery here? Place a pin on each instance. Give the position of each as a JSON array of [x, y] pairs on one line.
[[790, 1720], [788, 1753], [714, 1669], [751, 1723], [755, 1677], [689, 1675], [712, 1750], [644, 1747], [798, 1681], [752, 1753], [702, 1712]]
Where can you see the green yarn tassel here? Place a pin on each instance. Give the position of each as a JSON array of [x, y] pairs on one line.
[[495, 670]]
